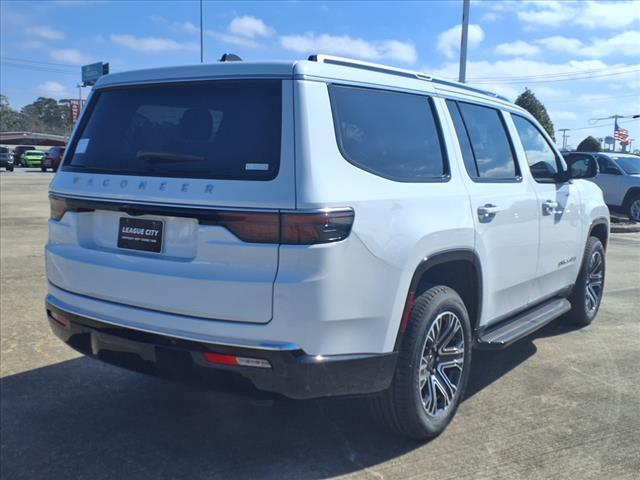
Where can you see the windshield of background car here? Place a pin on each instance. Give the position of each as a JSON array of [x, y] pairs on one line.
[[215, 130], [34, 153], [629, 163]]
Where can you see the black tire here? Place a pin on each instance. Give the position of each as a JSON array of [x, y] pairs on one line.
[[587, 286], [401, 407], [10, 168], [633, 208], [43, 169]]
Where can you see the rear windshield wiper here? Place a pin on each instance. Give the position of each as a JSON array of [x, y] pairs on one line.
[[162, 157]]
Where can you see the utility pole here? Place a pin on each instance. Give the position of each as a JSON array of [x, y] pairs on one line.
[[463, 41], [564, 137], [201, 36]]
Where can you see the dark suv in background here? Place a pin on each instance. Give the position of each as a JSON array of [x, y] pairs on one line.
[[6, 159], [18, 152], [52, 158]]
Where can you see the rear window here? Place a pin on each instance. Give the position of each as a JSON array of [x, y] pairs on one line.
[[4, 150], [392, 135], [213, 130]]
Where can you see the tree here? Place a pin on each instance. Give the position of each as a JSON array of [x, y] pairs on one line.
[[46, 115], [531, 104], [589, 144], [10, 120]]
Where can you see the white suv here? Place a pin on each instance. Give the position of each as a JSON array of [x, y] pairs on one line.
[[316, 228]]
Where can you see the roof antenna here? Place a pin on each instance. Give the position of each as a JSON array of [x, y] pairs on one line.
[[230, 57]]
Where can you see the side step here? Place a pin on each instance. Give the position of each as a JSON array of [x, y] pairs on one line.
[[523, 324]]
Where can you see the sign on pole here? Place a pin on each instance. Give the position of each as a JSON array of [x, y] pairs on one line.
[[91, 73], [75, 107]]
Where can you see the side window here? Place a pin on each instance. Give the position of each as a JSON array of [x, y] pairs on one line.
[[392, 135], [489, 142], [607, 166], [463, 139], [541, 158]]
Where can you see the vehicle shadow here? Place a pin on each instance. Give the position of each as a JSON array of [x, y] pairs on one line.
[[84, 419]]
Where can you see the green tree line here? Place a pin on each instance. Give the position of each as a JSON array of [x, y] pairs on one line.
[[45, 115]]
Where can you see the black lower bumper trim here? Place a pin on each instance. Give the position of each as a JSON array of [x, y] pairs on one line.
[[293, 374]]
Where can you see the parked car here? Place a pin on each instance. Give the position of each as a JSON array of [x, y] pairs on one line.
[[619, 179], [317, 228], [52, 158], [18, 152], [6, 159], [32, 158]]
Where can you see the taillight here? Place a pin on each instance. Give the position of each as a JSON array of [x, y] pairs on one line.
[[251, 226], [324, 226], [58, 207], [291, 228]]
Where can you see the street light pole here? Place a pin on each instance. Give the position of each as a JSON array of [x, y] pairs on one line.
[[201, 36], [463, 41]]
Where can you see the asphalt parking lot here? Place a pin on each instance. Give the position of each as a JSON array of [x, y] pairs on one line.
[[564, 403]]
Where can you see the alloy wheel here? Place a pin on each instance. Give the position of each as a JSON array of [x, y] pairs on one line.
[[595, 280], [441, 363], [634, 210]]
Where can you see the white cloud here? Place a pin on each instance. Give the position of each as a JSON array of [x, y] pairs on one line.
[[355, 47], [499, 76], [52, 89], [489, 17], [152, 44], [251, 27], [233, 39], [46, 32], [625, 43], [598, 15], [32, 44], [70, 55], [562, 115], [185, 27], [517, 49], [449, 40]]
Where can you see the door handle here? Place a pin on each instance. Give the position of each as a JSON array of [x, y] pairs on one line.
[[487, 212], [550, 207]]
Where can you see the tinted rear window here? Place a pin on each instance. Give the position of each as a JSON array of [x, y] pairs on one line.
[[225, 130], [392, 135]]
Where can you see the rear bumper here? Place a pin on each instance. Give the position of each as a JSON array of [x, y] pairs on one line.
[[292, 373]]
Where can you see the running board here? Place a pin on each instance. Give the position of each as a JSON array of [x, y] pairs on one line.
[[523, 324]]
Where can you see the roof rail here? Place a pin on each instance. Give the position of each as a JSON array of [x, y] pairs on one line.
[[375, 67]]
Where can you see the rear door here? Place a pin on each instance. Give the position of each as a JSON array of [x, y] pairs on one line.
[[170, 193], [504, 209], [561, 228]]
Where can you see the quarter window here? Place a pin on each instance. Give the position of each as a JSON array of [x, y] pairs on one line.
[[541, 158], [392, 135]]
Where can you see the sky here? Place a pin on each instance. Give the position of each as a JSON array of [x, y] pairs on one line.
[[581, 59]]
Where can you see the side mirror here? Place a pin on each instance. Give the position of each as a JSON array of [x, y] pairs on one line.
[[585, 167]]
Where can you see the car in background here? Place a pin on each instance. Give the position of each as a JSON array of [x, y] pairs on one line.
[[32, 158], [619, 180], [52, 158], [6, 159], [18, 152]]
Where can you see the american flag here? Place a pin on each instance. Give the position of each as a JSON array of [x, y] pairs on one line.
[[620, 134]]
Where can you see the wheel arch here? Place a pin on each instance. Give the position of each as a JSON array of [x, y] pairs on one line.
[[459, 269], [600, 229]]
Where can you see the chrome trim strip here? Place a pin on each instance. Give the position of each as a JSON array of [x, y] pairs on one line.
[[227, 342]]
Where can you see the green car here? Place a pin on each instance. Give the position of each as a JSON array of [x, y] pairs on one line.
[[32, 158]]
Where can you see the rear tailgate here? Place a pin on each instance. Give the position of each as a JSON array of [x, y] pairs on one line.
[[151, 187]]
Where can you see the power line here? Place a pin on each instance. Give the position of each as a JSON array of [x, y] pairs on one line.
[[602, 125], [38, 62], [595, 99], [531, 82], [557, 74], [38, 68]]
